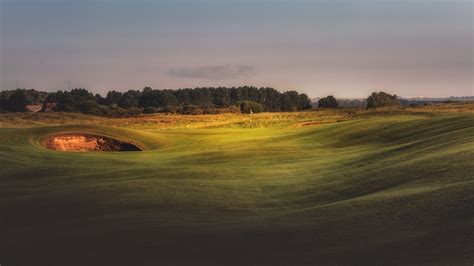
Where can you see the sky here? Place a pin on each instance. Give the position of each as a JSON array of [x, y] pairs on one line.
[[348, 48]]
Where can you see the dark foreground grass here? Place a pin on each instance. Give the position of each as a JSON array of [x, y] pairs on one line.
[[391, 189]]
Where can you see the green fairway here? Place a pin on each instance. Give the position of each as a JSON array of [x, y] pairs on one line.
[[376, 188]]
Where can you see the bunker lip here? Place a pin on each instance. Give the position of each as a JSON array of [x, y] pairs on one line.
[[87, 142]]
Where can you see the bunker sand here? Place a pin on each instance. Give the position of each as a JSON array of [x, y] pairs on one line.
[[82, 142]]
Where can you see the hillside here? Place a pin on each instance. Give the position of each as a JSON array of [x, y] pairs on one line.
[[327, 187]]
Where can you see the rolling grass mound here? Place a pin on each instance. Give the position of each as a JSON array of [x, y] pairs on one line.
[[379, 189]]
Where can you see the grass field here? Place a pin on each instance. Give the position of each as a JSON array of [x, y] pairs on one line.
[[382, 187]]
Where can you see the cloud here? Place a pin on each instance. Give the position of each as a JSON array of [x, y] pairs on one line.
[[216, 72]]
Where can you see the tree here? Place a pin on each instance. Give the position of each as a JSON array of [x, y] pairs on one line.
[[156, 98], [76, 100], [249, 107], [304, 102], [100, 100], [183, 96], [221, 97], [114, 98], [290, 101], [16, 101], [270, 99], [130, 99], [328, 102], [382, 99]]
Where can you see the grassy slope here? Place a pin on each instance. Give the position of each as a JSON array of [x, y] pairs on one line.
[[393, 188]]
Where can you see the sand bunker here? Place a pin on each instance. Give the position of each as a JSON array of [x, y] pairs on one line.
[[81, 142]]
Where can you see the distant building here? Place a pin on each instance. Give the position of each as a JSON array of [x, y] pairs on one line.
[[49, 107], [34, 108]]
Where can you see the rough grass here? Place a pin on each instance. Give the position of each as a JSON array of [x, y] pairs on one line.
[[377, 187]]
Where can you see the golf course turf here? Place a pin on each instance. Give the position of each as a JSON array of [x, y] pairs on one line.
[[317, 187]]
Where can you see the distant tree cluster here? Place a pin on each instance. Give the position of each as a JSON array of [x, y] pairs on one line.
[[18, 100], [328, 102], [185, 101], [382, 99], [376, 99]]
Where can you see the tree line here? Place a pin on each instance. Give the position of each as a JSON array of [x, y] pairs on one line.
[[211, 100], [246, 99]]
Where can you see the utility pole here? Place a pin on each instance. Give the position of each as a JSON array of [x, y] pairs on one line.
[[16, 84], [69, 84]]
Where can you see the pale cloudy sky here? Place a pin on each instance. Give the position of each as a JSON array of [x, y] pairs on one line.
[[348, 48]]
